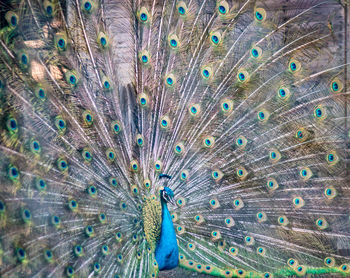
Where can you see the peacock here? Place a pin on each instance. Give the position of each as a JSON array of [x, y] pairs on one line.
[[182, 138]]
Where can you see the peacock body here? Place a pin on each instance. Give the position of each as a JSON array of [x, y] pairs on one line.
[[235, 109]]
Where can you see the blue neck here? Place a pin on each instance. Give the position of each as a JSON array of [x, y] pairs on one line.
[[167, 252]]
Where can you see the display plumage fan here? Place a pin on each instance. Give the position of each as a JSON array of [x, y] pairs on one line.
[[236, 111]]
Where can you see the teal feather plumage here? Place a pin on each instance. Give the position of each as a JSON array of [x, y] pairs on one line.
[[238, 110]]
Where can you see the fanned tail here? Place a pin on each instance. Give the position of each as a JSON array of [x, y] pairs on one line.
[[243, 104]]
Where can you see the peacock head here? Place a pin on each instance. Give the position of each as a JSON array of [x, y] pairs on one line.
[[167, 195]]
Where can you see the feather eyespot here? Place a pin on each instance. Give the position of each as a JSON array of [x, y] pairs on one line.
[[106, 83], [120, 258], [113, 181], [61, 42], [191, 246], [102, 39], [345, 268], [13, 173], [294, 66], [181, 202], [97, 267], [2, 207], [332, 157], [40, 184], [40, 93], [271, 184], [336, 85], [110, 154], [73, 205], [87, 155], [199, 219], [105, 250], [260, 14], [214, 203], [241, 76], [222, 8], [140, 141], [330, 192], [71, 78], [23, 59], [194, 110], [208, 142], [143, 15], [292, 263], [26, 215], [158, 165], [165, 122], [89, 231], [241, 173], [233, 251], [305, 173], [118, 236], [329, 261], [261, 216], [229, 222], [60, 124], [241, 142], [301, 270], [78, 251], [147, 183], [274, 155], [55, 221], [70, 271], [321, 223], [256, 52], [298, 202], [217, 175], [320, 112], [12, 19], [48, 255], [261, 251], [179, 148], [88, 118], [134, 165], [173, 42], [144, 57], [143, 100], [180, 230], [88, 6], [92, 191], [207, 72], [12, 125], [170, 80], [181, 8], [215, 235], [263, 116], [226, 106], [49, 8], [215, 38], [116, 127], [283, 93], [283, 220], [21, 254], [302, 134], [62, 164], [102, 218], [184, 175], [238, 203]]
